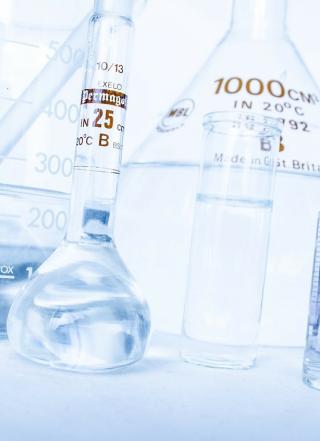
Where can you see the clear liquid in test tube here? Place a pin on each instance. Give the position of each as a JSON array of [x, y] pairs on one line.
[[230, 239]]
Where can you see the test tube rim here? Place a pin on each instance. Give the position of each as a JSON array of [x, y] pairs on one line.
[[274, 125]]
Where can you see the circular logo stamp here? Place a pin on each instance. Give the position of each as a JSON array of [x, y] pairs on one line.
[[177, 115]]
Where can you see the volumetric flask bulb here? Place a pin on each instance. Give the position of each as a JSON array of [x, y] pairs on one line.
[[82, 310], [41, 53], [255, 68]]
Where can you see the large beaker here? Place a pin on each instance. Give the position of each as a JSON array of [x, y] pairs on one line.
[[41, 54], [255, 68]]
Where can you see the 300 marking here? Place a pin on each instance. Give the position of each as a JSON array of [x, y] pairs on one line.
[[54, 165]]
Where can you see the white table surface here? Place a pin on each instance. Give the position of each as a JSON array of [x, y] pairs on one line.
[[159, 399]]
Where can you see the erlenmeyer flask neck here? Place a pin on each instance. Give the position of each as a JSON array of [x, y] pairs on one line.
[[259, 18]]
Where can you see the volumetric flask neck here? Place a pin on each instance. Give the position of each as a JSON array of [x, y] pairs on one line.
[[124, 8], [100, 136], [259, 18]]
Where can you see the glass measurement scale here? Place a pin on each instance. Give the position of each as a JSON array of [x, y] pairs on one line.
[[41, 54]]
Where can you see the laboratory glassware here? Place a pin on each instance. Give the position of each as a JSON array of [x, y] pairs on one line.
[[81, 310], [256, 68], [230, 239], [36, 154], [311, 365], [41, 53]]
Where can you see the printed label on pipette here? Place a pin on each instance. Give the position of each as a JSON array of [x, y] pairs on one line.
[[101, 128], [102, 117], [104, 96]]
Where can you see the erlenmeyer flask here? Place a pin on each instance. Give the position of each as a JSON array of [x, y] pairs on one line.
[[255, 68]]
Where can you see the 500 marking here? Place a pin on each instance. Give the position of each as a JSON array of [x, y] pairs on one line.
[[65, 53]]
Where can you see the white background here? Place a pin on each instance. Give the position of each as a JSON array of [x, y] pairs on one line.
[[159, 399]]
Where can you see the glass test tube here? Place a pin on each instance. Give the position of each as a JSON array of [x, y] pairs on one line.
[[230, 240], [311, 364]]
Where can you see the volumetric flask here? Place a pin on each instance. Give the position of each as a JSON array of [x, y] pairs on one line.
[[81, 310], [230, 240], [41, 53]]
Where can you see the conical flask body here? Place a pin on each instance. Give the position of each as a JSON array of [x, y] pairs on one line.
[[157, 192]]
